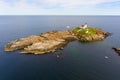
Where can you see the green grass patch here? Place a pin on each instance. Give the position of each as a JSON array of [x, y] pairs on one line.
[[86, 31]]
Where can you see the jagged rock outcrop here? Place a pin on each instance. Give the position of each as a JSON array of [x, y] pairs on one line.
[[52, 41], [45, 46], [44, 43], [22, 42]]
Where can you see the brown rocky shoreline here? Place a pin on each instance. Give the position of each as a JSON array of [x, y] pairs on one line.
[[50, 41]]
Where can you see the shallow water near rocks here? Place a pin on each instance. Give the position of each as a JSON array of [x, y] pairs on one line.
[[78, 61]]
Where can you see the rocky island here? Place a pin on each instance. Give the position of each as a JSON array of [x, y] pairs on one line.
[[117, 50], [54, 40]]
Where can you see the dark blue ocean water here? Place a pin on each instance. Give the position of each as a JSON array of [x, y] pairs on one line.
[[79, 61]]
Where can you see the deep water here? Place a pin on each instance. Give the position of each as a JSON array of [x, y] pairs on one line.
[[78, 61]]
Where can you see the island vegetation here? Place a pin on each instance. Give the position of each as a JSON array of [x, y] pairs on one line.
[[89, 34]]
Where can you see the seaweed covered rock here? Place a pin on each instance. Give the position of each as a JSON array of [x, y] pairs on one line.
[[89, 34]]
